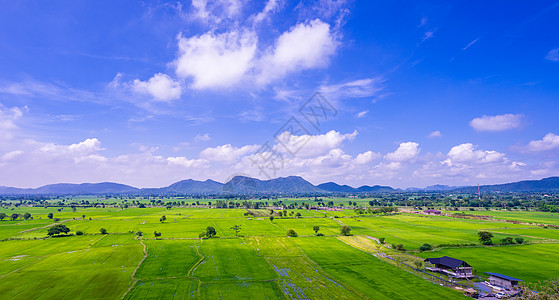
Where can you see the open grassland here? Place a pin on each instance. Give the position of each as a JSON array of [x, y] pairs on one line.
[[258, 262]]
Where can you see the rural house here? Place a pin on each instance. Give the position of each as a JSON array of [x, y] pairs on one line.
[[432, 212], [450, 266], [503, 281]]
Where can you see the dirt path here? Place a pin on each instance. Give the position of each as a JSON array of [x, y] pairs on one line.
[[132, 277]]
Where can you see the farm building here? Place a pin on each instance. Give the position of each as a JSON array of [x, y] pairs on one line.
[[450, 266], [432, 212], [503, 281]]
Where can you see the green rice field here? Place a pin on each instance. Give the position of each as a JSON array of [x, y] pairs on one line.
[[259, 261]]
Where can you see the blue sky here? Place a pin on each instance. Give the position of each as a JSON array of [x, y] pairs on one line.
[[149, 93]]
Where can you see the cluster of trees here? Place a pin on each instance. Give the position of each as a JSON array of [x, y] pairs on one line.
[[486, 238], [14, 216]]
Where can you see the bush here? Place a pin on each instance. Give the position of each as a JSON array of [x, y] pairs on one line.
[[507, 241], [291, 233], [202, 235], [319, 234], [425, 247], [103, 231], [79, 232], [519, 240], [381, 240], [400, 247]]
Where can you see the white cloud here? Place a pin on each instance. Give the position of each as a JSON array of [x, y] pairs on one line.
[[11, 155], [405, 151], [470, 44], [216, 60], [362, 114], [227, 153], [271, 6], [467, 153], [497, 123], [553, 55], [311, 145], [187, 163], [435, 134], [366, 157], [305, 46], [216, 11], [428, 35], [161, 87], [549, 142], [362, 88], [202, 137], [8, 117]]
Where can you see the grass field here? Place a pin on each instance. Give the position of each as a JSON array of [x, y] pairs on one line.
[[261, 262]]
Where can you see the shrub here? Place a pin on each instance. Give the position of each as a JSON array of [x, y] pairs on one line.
[[381, 240], [519, 240], [400, 247], [425, 247], [507, 241], [291, 233], [319, 234], [103, 231], [79, 232]]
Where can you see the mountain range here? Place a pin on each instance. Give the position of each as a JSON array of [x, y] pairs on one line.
[[282, 185]]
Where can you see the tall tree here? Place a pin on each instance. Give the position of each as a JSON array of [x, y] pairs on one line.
[[210, 231], [58, 229]]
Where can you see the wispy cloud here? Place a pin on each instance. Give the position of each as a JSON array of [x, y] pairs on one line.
[[553, 55], [362, 114], [470, 44]]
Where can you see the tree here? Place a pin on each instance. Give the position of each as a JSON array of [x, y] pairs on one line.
[[162, 219], [79, 232], [425, 247], [298, 215], [14, 217], [73, 209], [50, 216], [142, 206], [345, 230], [381, 240], [519, 240], [26, 216], [316, 228], [103, 231], [418, 264], [83, 217], [485, 237], [400, 247], [291, 233], [58, 229], [56, 220], [139, 234], [271, 218], [157, 234], [236, 228], [210, 231], [2, 216]]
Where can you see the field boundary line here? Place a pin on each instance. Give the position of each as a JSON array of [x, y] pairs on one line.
[[132, 276]]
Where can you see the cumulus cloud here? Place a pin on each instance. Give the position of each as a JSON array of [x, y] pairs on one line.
[[227, 153], [187, 163], [366, 157], [497, 122], [405, 151], [305, 46], [467, 153], [216, 60], [549, 142], [553, 55], [311, 145], [161, 87]]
